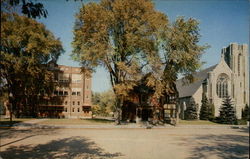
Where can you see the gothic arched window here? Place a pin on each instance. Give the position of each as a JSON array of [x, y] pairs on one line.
[[222, 86], [239, 60]]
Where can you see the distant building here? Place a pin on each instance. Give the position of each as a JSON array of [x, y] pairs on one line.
[[230, 77], [71, 97]]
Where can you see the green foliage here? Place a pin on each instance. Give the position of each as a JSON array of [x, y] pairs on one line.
[[227, 112], [26, 49], [130, 39], [181, 55], [122, 38], [245, 113], [104, 103], [212, 112], [207, 109], [191, 113], [204, 111]]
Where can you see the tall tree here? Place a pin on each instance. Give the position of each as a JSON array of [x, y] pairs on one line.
[[26, 48], [122, 36], [227, 112], [191, 112], [180, 54], [205, 110], [212, 111]]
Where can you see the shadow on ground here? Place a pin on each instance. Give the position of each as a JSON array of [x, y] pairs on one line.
[[15, 133], [7, 123], [224, 146], [73, 147]]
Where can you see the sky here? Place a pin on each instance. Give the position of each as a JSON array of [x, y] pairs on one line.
[[221, 23]]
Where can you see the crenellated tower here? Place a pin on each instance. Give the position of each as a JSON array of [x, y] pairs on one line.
[[236, 56]]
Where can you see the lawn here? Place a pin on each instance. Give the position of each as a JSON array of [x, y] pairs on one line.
[[76, 121], [197, 122]]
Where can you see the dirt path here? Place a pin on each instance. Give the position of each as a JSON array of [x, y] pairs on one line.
[[167, 143]]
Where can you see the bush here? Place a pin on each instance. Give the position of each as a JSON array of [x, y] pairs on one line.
[[241, 122], [245, 113]]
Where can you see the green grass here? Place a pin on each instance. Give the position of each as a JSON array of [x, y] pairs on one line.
[[76, 122], [242, 122], [197, 122]]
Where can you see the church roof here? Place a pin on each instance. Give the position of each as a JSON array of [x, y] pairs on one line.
[[189, 89]]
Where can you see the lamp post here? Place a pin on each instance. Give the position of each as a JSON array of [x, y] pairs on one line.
[[183, 110], [10, 101]]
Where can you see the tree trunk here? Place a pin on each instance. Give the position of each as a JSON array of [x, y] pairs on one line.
[[119, 104]]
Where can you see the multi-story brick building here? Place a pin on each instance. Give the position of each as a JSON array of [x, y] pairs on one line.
[[72, 95]]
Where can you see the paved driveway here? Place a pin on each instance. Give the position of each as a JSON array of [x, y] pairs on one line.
[[166, 143]]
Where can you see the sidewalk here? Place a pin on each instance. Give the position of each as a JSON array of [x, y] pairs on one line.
[[35, 124]]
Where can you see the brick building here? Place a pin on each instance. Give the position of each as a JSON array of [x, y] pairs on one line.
[[72, 95]]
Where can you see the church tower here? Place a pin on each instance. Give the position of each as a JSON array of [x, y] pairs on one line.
[[236, 56]]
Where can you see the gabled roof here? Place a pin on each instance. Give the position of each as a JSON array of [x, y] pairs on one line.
[[189, 89]]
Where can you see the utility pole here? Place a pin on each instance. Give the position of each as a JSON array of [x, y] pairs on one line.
[[10, 101]]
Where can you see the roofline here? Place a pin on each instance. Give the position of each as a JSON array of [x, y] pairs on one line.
[[201, 71]]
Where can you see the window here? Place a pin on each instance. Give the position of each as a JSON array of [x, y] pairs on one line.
[[55, 92], [87, 96], [66, 93], [76, 78], [65, 110], [78, 102], [78, 109], [66, 102], [63, 77], [73, 109], [73, 102], [76, 91], [60, 93], [244, 98], [233, 90], [222, 86], [239, 60]]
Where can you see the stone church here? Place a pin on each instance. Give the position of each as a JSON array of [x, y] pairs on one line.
[[230, 77]]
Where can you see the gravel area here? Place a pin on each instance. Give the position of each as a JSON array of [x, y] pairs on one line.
[[127, 143]]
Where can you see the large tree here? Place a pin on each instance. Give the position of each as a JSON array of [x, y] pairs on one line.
[[180, 55], [121, 35], [26, 49]]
